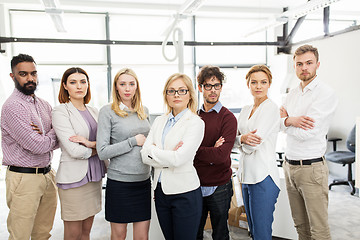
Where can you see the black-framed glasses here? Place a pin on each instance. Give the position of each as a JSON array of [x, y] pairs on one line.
[[172, 92], [208, 87]]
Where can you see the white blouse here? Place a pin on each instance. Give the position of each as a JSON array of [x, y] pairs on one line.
[[260, 161]]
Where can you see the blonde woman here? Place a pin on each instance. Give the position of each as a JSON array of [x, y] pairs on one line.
[[80, 171], [259, 124], [170, 148], [123, 127]]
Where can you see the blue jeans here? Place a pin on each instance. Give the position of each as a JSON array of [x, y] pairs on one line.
[[218, 204], [178, 214], [259, 201]]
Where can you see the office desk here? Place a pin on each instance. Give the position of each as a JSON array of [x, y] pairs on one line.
[[283, 225]]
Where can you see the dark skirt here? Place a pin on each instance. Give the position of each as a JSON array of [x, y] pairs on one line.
[[127, 202]]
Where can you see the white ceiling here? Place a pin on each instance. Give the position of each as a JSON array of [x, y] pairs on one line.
[[239, 8]]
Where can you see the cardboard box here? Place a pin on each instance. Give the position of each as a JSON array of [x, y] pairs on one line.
[[237, 217], [208, 223], [243, 221]]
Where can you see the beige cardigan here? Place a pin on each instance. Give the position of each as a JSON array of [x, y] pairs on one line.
[[67, 122]]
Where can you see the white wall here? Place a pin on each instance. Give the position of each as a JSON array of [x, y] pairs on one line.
[[5, 80], [340, 68]]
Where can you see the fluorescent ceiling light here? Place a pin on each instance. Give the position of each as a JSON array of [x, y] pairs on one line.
[[270, 23], [50, 3], [52, 8], [296, 13], [57, 20], [307, 8], [190, 7]]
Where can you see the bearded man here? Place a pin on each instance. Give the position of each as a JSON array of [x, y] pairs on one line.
[[28, 140]]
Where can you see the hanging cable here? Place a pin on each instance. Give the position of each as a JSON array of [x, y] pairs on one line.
[[174, 31]]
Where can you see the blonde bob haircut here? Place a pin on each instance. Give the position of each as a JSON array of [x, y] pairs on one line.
[[259, 68], [192, 105], [136, 103]]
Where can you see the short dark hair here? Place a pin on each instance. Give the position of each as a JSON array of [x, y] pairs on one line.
[[307, 48], [64, 94], [208, 72], [21, 58]]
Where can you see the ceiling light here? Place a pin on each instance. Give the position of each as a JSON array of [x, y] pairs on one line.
[[309, 7], [296, 13], [190, 7], [50, 3], [52, 8]]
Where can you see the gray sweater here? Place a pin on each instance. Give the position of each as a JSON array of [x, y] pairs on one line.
[[116, 141]]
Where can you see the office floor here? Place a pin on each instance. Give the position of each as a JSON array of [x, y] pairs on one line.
[[344, 215]]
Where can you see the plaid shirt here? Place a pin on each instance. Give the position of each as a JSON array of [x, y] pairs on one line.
[[22, 146]]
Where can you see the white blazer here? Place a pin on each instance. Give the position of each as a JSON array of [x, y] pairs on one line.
[[178, 174], [67, 122]]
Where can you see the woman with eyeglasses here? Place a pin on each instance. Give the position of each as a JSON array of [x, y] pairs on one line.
[[259, 124], [123, 127], [170, 148]]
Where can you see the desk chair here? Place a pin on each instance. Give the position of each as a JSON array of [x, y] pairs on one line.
[[280, 159], [344, 158]]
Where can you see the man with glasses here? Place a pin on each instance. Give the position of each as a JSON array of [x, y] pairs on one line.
[[212, 161], [28, 140]]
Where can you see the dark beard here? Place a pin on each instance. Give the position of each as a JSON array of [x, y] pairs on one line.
[[210, 102], [305, 79], [28, 88]]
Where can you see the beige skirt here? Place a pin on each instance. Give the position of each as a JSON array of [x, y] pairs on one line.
[[80, 203]]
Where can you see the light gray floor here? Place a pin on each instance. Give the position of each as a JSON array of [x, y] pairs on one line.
[[344, 218]]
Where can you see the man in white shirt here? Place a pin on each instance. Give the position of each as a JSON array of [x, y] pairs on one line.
[[306, 115]]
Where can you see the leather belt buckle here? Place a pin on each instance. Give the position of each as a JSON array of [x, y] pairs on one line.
[[30, 170], [47, 169], [304, 162]]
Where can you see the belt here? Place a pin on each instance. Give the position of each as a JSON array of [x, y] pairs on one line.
[[44, 170], [304, 162]]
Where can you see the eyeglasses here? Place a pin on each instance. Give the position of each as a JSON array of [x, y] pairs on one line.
[[208, 87], [172, 92]]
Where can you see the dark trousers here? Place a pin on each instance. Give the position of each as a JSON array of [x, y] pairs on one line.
[[178, 214], [259, 201], [218, 204]]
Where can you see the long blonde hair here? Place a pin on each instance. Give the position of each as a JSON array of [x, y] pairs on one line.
[[192, 105], [136, 103]]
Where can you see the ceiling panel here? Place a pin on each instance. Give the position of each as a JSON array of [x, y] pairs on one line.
[[238, 8]]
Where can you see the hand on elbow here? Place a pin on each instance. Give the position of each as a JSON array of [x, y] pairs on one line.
[[303, 122], [251, 138], [36, 128], [283, 112], [93, 152], [140, 139], [179, 145], [219, 142]]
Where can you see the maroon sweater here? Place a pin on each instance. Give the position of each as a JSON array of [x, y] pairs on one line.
[[213, 164]]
